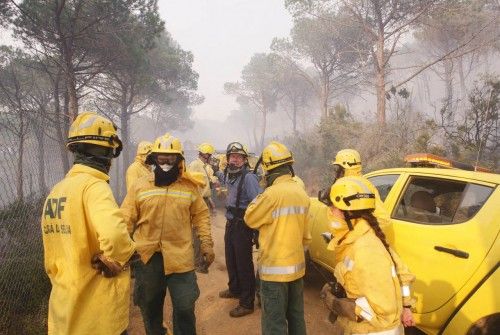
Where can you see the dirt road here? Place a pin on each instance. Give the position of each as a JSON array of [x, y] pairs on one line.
[[212, 312]]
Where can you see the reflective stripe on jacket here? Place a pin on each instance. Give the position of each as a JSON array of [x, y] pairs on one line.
[[136, 170], [163, 218], [280, 214], [406, 278], [365, 269], [80, 219]]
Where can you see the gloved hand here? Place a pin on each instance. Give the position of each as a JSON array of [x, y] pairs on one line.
[[345, 307], [106, 266], [208, 254], [341, 306], [327, 296], [407, 317]]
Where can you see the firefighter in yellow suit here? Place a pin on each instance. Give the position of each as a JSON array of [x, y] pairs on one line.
[[202, 165], [347, 163], [280, 214], [138, 168], [363, 264], [83, 233], [161, 210]]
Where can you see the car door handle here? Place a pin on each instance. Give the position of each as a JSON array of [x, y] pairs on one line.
[[454, 252]]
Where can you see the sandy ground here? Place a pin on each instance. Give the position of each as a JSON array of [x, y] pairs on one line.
[[212, 312]]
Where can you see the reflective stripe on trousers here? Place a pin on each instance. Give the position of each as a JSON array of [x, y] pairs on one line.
[[399, 330], [281, 270]]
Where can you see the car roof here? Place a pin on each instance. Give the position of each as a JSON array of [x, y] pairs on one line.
[[479, 176]]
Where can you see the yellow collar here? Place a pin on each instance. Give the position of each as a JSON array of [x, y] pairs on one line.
[[283, 179], [341, 233], [80, 168]]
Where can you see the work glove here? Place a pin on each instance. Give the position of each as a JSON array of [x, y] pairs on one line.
[[340, 306], [106, 266], [208, 254]]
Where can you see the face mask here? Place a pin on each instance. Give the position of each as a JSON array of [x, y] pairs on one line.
[[166, 167], [165, 178]]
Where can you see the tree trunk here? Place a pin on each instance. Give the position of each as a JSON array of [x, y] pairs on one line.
[[380, 80], [255, 124], [72, 97], [263, 130], [40, 137], [325, 92], [20, 161], [118, 180], [448, 81], [125, 137], [462, 78], [125, 134], [59, 127]]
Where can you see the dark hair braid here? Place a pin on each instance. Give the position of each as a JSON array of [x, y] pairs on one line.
[[373, 222], [367, 214]]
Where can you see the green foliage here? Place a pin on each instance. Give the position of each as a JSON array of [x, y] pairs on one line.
[[314, 151], [24, 286], [472, 132]]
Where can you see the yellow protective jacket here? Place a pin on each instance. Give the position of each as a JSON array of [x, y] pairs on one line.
[[80, 219], [280, 214], [136, 170], [406, 278], [364, 267], [198, 166], [161, 220]]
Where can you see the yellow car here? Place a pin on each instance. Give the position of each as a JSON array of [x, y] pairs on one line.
[[445, 226]]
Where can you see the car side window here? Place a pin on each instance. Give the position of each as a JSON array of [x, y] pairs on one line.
[[384, 184], [474, 198], [436, 201]]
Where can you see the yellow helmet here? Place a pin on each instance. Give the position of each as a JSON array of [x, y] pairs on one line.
[[350, 160], [144, 148], [275, 154], [206, 148], [167, 144], [352, 194], [91, 128], [236, 148]]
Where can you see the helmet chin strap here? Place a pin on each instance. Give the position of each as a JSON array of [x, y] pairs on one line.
[[348, 220]]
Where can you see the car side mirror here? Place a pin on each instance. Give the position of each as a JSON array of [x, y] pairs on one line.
[[327, 236]]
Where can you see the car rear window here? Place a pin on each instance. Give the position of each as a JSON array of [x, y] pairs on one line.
[[384, 184], [439, 201]]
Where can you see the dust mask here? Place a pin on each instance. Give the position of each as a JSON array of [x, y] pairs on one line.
[[166, 167]]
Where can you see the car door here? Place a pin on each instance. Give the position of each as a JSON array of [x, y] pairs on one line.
[[319, 225], [443, 230]]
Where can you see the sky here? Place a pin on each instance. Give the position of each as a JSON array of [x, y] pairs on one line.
[[223, 35]]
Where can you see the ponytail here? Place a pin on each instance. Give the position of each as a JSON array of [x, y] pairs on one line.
[[368, 216]]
